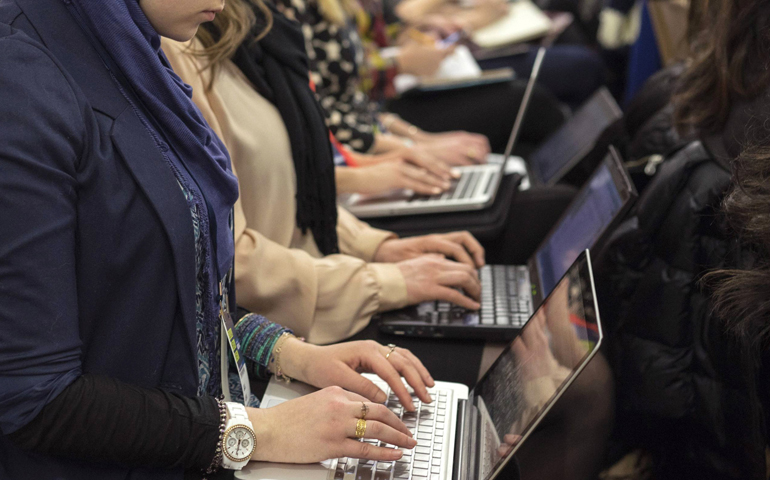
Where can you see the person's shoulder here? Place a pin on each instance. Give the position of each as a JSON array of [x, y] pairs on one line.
[[36, 89], [25, 55]]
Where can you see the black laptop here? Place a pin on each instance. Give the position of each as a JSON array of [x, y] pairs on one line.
[[572, 142], [510, 293]]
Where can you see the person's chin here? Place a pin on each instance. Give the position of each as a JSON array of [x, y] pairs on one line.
[[183, 34]]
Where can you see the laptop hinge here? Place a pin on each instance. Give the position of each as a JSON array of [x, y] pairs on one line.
[[465, 445]]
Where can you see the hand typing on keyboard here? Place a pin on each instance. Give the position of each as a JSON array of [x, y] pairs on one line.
[[432, 277], [460, 246], [323, 425]]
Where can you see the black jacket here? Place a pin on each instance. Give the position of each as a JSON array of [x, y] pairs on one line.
[[685, 388]]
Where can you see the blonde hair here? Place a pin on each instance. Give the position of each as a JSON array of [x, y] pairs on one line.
[[234, 24]]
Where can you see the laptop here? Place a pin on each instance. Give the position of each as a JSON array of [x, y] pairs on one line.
[[474, 190], [509, 293], [472, 434], [566, 147]]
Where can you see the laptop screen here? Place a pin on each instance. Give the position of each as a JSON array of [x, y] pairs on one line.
[[575, 138], [588, 215], [530, 375]]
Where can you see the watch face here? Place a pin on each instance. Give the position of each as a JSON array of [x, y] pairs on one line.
[[239, 443]]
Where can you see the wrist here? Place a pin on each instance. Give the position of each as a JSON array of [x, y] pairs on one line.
[[381, 254], [291, 358], [261, 423]]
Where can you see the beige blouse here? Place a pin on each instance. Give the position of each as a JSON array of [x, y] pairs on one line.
[[279, 272]]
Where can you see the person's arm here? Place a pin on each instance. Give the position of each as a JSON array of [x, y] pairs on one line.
[[357, 238], [46, 404], [324, 299]]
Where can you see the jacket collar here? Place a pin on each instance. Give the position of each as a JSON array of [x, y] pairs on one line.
[[62, 35]]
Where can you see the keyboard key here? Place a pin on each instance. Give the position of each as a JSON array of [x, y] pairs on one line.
[[424, 436], [420, 473], [419, 457], [436, 462], [422, 450], [436, 468], [421, 465], [424, 428], [385, 466]]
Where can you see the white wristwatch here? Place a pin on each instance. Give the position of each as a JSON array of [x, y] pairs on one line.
[[239, 440]]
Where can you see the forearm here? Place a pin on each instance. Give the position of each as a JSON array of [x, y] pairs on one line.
[[102, 420], [401, 128], [348, 179], [411, 11]]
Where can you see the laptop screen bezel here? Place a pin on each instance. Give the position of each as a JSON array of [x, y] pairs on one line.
[[473, 463], [628, 194], [613, 112]]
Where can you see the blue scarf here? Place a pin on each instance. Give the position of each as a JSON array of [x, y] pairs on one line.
[[200, 160]]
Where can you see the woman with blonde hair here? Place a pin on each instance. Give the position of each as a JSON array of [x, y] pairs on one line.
[[300, 260]]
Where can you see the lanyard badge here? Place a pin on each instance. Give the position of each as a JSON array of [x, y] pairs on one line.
[[231, 343]]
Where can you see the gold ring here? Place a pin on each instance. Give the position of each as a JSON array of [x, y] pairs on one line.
[[472, 152], [360, 428], [392, 348], [364, 410]]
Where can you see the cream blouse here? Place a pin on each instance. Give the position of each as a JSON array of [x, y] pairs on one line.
[[279, 271]]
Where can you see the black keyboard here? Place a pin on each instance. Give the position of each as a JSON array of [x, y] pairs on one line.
[[506, 299]]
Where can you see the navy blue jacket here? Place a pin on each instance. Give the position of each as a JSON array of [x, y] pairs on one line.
[[97, 271]]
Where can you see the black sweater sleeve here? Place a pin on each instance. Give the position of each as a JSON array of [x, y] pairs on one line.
[[99, 419]]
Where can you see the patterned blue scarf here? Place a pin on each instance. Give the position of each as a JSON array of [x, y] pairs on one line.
[[201, 160]]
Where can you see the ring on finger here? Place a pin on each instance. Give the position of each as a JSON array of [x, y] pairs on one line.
[[392, 349], [472, 152], [360, 428], [364, 410]]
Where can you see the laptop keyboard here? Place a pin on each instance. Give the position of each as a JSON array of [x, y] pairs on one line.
[[505, 299], [427, 424], [461, 189]]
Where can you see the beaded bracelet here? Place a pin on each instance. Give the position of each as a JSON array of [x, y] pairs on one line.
[[216, 462]]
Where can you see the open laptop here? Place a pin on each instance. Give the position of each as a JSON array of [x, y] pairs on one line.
[[568, 145], [472, 434], [474, 190], [509, 293]]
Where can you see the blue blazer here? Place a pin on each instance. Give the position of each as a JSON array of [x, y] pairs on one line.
[[97, 259]]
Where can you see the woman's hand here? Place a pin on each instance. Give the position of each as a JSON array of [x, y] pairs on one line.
[[455, 148], [421, 59], [461, 246], [432, 277], [387, 176], [322, 425], [342, 364], [411, 155]]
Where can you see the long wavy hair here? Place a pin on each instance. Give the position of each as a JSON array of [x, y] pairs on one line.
[[742, 297], [235, 25], [730, 53]]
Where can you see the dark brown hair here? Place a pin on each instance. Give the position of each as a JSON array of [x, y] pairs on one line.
[[730, 53], [742, 297], [235, 24]]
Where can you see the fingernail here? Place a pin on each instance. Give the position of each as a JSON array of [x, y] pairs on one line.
[[455, 173], [447, 184], [412, 442], [436, 190]]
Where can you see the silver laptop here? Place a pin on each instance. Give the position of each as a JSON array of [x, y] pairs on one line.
[[472, 434], [568, 145], [509, 293], [476, 188]]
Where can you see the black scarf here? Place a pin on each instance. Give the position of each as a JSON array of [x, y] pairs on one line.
[[278, 67]]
